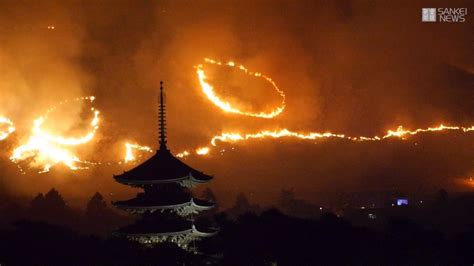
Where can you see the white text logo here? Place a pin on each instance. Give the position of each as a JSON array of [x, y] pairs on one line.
[[453, 15]]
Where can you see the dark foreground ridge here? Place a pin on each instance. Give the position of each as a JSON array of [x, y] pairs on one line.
[[46, 231]]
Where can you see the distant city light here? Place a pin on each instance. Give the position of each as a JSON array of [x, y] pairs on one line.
[[401, 202]]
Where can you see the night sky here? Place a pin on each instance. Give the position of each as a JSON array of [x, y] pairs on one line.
[[357, 68]]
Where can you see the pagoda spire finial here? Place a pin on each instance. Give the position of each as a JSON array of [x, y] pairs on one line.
[[162, 120]]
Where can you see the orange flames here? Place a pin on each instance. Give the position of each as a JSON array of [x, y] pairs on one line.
[[208, 90], [399, 133], [285, 133], [232, 137], [182, 154], [198, 151], [9, 128], [202, 151], [465, 182], [129, 148], [46, 150]]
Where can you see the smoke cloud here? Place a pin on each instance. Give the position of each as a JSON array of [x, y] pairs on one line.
[[352, 67]]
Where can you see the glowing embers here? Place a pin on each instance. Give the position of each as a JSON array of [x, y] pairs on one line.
[[466, 182], [6, 127], [234, 137], [182, 154], [202, 151], [209, 91], [199, 151], [400, 133], [130, 148], [44, 150]]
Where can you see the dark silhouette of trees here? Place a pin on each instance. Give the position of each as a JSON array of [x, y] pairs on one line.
[[290, 205], [246, 237], [96, 206], [242, 205], [99, 218], [37, 205], [208, 195], [54, 201], [10, 210], [50, 208], [441, 196]]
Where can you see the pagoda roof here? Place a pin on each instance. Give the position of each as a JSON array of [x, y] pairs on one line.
[[162, 167], [157, 227], [163, 228], [153, 203]]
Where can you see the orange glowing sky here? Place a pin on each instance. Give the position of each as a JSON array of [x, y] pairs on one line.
[[309, 95]]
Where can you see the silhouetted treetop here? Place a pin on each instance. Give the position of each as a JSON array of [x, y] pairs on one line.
[[54, 199], [96, 204]]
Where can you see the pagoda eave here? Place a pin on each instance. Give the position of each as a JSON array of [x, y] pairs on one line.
[[186, 181], [182, 209], [191, 230], [181, 238], [127, 181]]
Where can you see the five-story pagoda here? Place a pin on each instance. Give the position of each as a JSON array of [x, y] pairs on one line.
[[166, 204]]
